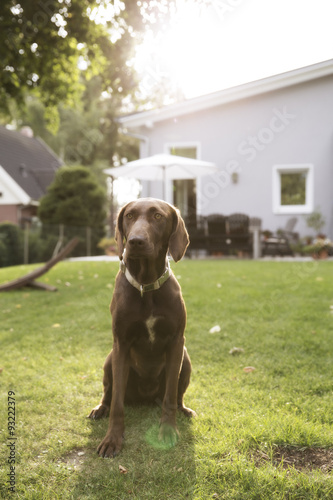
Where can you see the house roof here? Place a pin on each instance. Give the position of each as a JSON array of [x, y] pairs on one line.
[[28, 161], [308, 73]]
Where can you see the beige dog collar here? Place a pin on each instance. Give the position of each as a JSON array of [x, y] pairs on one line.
[[150, 287]]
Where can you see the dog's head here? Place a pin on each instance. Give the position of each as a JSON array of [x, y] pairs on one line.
[[147, 226]]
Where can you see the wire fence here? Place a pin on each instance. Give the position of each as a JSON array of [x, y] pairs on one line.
[[40, 242]]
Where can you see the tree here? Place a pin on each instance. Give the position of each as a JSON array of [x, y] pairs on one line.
[[42, 42], [87, 134], [74, 199]]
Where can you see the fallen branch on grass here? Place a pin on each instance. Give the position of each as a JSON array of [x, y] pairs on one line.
[[29, 279]]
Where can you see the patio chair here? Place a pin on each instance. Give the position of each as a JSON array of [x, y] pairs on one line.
[[198, 238], [239, 232], [255, 224], [217, 233], [288, 231], [280, 243]]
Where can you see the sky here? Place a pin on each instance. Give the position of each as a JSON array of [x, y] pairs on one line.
[[217, 44], [229, 42]]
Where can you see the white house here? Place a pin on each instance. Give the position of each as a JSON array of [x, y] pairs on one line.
[[271, 139], [27, 168]]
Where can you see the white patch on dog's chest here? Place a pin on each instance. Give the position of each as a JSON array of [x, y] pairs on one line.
[[150, 323]]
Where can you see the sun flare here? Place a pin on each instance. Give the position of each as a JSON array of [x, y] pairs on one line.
[[195, 49], [181, 52]]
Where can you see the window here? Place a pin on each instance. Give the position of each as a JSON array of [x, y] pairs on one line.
[[188, 152], [292, 189], [184, 191]]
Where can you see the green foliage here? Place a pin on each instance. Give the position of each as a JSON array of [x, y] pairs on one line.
[[319, 246], [41, 245], [87, 133], [55, 344], [315, 220], [41, 43], [74, 199], [40, 248], [42, 242], [11, 244]]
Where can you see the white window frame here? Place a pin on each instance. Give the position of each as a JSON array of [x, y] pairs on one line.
[[309, 189]]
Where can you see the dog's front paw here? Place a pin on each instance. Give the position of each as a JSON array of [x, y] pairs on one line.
[[187, 411], [168, 434], [99, 411], [110, 446]]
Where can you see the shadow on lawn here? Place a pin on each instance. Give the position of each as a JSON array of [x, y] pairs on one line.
[[143, 469]]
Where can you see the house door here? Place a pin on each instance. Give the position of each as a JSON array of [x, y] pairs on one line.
[[184, 191]]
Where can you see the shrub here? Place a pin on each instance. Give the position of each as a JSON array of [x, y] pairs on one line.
[[11, 250]]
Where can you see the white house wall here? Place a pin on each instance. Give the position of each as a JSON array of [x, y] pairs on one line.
[[10, 192], [293, 125]]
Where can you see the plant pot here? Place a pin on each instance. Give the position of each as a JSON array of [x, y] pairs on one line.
[[110, 252], [322, 254]]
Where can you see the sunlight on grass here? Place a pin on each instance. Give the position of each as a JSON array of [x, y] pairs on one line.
[[277, 314]]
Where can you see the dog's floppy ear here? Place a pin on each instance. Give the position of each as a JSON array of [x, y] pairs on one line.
[[119, 235], [179, 239]]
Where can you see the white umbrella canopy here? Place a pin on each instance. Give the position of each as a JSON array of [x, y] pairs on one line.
[[163, 167]]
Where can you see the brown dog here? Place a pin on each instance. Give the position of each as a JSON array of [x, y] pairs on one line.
[[149, 361]]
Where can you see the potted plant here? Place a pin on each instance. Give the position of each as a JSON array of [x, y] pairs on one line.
[[315, 220], [321, 247], [267, 234]]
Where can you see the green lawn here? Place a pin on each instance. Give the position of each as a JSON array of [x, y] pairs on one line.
[[280, 314]]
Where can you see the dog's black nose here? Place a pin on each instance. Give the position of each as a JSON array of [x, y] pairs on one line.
[[136, 242]]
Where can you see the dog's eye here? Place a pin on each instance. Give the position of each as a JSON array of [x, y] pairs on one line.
[[129, 216], [157, 216]]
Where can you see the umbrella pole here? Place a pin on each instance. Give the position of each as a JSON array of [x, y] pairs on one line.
[[164, 183]]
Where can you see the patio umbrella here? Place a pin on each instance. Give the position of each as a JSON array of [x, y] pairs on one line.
[[163, 167]]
